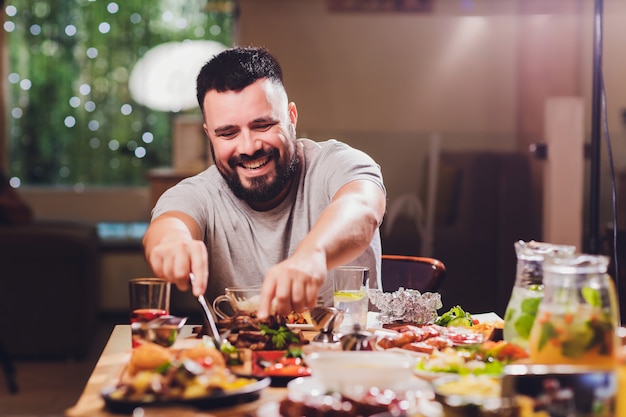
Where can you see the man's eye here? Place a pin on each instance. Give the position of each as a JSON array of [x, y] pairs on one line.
[[227, 135], [264, 126]]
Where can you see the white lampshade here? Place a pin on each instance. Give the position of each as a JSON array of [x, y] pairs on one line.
[[165, 77]]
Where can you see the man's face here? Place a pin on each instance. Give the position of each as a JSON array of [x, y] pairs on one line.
[[252, 137]]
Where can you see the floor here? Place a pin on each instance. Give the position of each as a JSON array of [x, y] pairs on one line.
[[48, 388]]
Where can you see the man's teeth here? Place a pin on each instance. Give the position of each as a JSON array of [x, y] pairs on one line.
[[255, 164]]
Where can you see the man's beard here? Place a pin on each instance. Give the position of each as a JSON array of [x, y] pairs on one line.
[[261, 189]]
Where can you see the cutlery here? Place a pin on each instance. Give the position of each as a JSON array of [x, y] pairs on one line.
[[208, 315]]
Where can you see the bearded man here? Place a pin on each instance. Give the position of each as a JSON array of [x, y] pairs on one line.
[[273, 210]]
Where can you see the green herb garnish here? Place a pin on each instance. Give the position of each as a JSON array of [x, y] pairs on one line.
[[592, 296], [281, 337], [227, 348], [523, 325], [161, 369], [548, 331], [294, 352]]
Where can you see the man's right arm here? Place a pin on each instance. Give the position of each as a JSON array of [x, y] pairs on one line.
[[174, 248]]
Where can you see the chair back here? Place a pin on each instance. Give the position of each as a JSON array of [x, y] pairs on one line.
[[411, 272]]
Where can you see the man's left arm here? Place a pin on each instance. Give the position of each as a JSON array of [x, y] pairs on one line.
[[343, 231]]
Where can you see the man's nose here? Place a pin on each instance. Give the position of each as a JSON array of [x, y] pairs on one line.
[[249, 144]]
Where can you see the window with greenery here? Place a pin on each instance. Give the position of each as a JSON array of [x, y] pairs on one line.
[[71, 119]]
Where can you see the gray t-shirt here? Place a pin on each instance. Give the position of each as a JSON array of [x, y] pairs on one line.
[[243, 243]]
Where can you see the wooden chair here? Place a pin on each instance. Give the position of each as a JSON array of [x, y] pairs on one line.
[[411, 272]]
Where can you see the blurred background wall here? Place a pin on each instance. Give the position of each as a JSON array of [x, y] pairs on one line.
[[475, 75]]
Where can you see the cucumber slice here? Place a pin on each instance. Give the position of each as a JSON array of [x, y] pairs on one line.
[[460, 322]]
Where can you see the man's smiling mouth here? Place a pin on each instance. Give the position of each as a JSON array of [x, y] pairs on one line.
[[256, 164]]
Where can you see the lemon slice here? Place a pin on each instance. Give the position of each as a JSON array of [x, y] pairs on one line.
[[343, 296]]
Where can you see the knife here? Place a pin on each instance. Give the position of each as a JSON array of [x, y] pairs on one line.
[[208, 316]]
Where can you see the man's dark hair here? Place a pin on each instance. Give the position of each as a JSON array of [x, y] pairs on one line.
[[235, 69]]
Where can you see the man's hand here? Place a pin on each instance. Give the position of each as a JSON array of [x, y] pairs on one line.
[[293, 284], [343, 231], [174, 250], [174, 261]]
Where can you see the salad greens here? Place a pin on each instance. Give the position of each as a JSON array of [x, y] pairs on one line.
[[456, 316]]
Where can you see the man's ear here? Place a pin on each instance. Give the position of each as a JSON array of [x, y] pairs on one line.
[[293, 114]]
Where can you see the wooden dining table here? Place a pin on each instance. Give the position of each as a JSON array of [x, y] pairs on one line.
[[111, 365], [115, 357]]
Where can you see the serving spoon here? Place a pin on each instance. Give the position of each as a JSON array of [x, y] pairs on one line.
[[208, 316]]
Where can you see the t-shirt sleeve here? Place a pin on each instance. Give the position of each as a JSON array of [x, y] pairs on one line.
[[185, 198], [344, 164]]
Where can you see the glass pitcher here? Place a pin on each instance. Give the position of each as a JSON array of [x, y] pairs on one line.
[[578, 315], [527, 292]]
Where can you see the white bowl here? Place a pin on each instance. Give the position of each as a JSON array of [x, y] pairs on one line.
[[343, 371]]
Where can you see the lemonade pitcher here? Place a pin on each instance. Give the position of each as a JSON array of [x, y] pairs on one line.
[[578, 315], [528, 289]]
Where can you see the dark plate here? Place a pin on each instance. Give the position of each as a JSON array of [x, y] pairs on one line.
[[279, 378], [217, 399], [282, 380]]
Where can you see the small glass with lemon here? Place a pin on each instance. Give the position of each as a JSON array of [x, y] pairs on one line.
[[351, 285]]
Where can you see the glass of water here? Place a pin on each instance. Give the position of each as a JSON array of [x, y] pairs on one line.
[[351, 284]]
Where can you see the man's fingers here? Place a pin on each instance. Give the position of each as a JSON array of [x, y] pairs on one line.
[[298, 295], [283, 297], [267, 296], [311, 295], [200, 270]]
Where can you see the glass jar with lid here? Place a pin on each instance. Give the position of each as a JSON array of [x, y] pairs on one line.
[[578, 315], [527, 292]]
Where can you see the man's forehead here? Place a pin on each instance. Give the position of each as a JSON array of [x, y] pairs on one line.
[[258, 101]]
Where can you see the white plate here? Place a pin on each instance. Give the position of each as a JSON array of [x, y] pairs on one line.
[[431, 376], [268, 410], [491, 318], [302, 327], [308, 386]]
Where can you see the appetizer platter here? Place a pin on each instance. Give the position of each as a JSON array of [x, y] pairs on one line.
[[195, 376], [264, 348], [454, 344]]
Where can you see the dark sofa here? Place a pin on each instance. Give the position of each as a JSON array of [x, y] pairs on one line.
[[48, 302]]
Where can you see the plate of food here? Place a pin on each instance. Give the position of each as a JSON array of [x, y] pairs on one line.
[[300, 321], [488, 359], [196, 376], [280, 366]]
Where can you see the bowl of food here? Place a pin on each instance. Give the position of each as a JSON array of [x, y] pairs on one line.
[[348, 370], [474, 396], [162, 330]]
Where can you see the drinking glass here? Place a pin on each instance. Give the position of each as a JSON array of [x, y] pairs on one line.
[[577, 317], [149, 299], [239, 299], [351, 285]]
